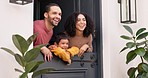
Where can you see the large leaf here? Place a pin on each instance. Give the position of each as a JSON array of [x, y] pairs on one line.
[[8, 50], [126, 37], [32, 54], [144, 75], [146, 56], [124, 49], [140, 51], [36, 66], [130, 44], [140, 69], [128, 29], [141, 43], [42, 71], [24, 75], [20, 43], [130, 56], [143, 35], [145, 67], [131, 72], [20, 60], [31, 38], [29, 66], [18, 70], [140, 31]]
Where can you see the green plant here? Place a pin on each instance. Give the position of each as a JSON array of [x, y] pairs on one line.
[[138, 47], [27, 57]]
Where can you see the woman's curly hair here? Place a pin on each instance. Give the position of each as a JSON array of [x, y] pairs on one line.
[[70, 25]]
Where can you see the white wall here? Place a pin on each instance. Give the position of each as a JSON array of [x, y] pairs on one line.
[[14, 19], [114, 63], [17, 19]]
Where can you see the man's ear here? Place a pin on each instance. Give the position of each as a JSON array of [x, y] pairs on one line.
[[46, 15]]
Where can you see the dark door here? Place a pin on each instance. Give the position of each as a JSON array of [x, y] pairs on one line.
[[90, 64]]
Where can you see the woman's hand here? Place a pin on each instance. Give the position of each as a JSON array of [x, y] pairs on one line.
[[83, 49]]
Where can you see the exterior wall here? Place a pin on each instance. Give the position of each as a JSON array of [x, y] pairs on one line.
[[114, 63], [17, 19]]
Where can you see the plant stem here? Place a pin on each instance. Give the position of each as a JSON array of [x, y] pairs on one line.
[[141, 59]]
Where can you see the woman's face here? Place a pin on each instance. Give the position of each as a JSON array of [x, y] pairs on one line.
[[81, 22]]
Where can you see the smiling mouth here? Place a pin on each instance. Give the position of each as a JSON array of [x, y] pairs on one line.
[[56, 20]]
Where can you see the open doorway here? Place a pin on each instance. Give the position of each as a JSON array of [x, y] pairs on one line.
[[91, 65]]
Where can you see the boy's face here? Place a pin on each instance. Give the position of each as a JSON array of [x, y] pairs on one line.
[[64, 43]]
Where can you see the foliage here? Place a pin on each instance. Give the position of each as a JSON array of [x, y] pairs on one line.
[[26, 58], [138, 47]]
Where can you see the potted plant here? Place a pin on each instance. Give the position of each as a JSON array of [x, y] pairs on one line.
[[137, 45], [26, 58]]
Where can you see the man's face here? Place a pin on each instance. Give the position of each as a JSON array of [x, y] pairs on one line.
[[54, 15]]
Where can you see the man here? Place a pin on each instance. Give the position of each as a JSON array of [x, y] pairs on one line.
[[44, 28]]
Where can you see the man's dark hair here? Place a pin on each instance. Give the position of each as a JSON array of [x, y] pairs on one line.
[[47, 7], [60, 36]]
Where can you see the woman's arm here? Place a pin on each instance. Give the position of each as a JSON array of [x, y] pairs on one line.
[[90, 48]]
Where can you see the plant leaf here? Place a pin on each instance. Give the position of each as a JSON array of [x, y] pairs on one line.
[[31, 38], [147, 75], [20, 60], [36, 66], [18, 70], [32, 54], [8, 50], [140, 69], [131, 72], [24, 75], [144, 75], [128, 29], [130, 44], [124, 49], [140, 31], [130, 56], [140, 51], [146, 56], [20, 43], [143, 35], [141, 43], [29, 66], [42, 71], [126, 37], [145, 67]]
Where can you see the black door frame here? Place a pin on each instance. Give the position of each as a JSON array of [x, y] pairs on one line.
[[98, 32]]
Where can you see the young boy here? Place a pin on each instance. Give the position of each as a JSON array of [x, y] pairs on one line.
[[61, 48]]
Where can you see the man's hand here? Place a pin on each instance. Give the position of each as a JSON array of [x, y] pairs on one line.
[[47, 53], [52, 47]]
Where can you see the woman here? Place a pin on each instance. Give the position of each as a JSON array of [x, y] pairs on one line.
[[80, 27]]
